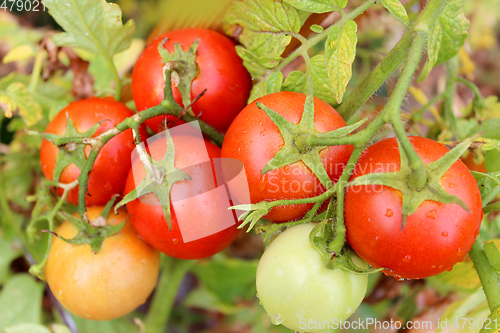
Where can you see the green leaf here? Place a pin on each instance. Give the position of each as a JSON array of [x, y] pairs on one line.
[[270, 85], [340, 51], [27, 328], [316, 28], [296, 81], [93, 25], [489, 185], [228, 279], [120, 325], [8, 252], [397, 10], [17, 100], [446, 37], [21, 301], [265, 27], [318, 6]]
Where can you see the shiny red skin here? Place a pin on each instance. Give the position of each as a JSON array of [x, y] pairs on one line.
[[221, 72], [435, 237], [111, 167], [254, 139], [149, 220]]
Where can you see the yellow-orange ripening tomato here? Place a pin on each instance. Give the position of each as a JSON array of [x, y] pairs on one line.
[[104, 285]]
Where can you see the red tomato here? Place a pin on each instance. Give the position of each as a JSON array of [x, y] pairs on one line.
[[254, 139], [434, 238], [202, 225], [111, 167], [221, 72]]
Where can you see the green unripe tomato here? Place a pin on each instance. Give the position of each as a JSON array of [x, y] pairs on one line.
[[298, 291]]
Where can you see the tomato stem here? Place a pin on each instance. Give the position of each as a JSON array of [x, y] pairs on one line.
[[391, 62], [172, 273], [487, 274]]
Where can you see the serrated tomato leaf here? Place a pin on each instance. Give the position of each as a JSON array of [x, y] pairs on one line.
[[340, 51]]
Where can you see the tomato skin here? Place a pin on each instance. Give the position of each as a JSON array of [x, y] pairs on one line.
[[434, 238], [115, 155], [254, 139], [294, 286], [105, 285], [203, 208], [221, 72]]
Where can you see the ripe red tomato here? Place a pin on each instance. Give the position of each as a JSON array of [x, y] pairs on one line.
[[111, 167], [254, 139], [434, 238], [221, 72], [104, 285], [202, 225]]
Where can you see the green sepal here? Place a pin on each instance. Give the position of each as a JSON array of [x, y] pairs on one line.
[[253, 215], [169, 175], [69, 153], [291, 133], [320, 243], [433, 191], [94, 236], [185, 68]]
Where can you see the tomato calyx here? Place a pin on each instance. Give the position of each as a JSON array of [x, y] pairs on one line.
[[183, 68], [71, 146], [432, 190], [159, 178], [294, 136], [93, 232], [321, 238]]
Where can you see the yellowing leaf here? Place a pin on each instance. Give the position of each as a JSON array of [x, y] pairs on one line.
[[340, 50], [17, 100], [446, 37], [397, 10], [21, 52]]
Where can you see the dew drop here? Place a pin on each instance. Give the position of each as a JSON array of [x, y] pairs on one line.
[[452, 185], [433, 267], [263, 132], [277, 319], [205, 202], [432, 214], [407, 258], [444, 234], [257, 295], [389, 213], [279, 271], [449, 268], [377, 238], [459, 252], [300, 314], [175, 240]]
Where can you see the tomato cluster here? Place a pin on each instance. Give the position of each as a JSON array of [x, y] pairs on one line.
[[292, 277]]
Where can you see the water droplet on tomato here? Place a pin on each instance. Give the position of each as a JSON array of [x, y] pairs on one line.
[[433, 267], [277, 319], [463, 176], [449, 268], [175, 240], [459, 252], [452, 185], [205, 202], [279, 271], [444, 234], [300, 314], [440, 267], [263, 132], [407, 258], [432, 214], [389, 213], [376, 238]]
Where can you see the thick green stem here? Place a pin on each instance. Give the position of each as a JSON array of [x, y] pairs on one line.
[[172, 274], [487, 274], [391, 62], [451, 89], [418, 176]]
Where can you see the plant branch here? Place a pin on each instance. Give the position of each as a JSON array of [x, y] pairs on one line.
[[391, 62], [172, 273], [487, 274]]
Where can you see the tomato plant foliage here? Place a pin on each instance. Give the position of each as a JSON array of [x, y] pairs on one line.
[[349, 139]]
